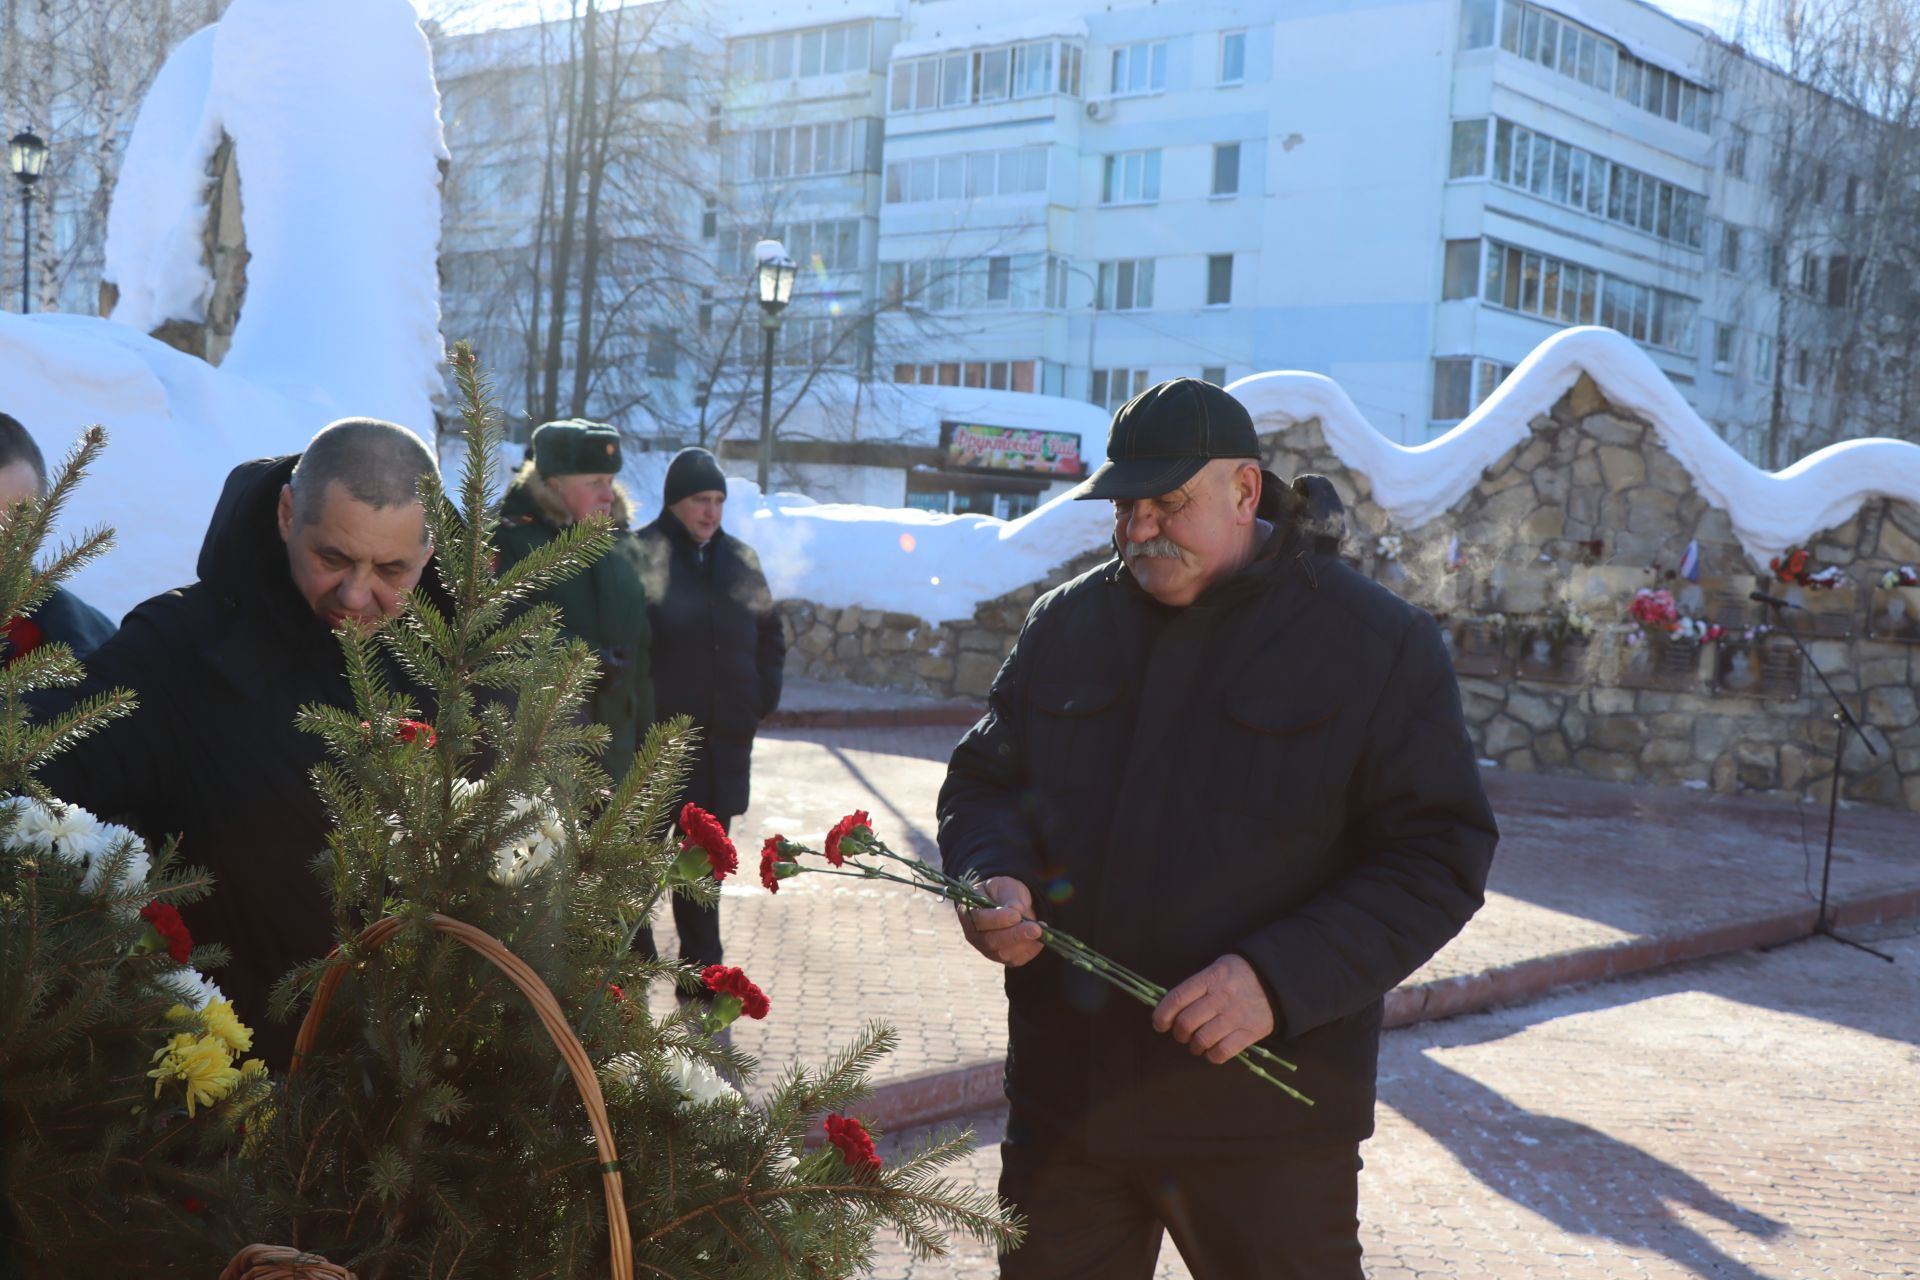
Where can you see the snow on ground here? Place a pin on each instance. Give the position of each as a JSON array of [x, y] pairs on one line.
[[1770, 511]]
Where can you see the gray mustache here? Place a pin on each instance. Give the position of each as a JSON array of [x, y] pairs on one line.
[[1161, 548]]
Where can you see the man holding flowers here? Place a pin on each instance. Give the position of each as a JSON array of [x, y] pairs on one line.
[[1238, 768]]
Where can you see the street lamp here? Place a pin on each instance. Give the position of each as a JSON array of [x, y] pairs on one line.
[[773, 289], [27, 159]]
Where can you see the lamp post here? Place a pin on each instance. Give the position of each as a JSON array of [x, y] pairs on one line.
[[27, 159], [773, 288]]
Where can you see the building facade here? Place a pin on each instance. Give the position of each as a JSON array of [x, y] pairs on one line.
[[1404, 195]]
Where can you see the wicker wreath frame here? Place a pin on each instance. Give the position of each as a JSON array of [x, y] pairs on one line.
[[274, 1262]]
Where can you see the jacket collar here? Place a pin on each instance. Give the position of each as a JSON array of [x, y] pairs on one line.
[[530, 498]]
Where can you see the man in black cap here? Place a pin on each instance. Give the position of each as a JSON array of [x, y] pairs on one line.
[[1238, 767], [718, 656]]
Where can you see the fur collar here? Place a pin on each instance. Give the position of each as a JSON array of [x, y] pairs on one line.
[[538, 501]]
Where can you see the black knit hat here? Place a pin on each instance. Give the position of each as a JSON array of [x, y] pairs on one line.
[[574, 446], [1163, 436], [693, 470]]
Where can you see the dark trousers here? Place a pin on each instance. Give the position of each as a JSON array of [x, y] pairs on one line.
[[1284, 1215], [697, 925]]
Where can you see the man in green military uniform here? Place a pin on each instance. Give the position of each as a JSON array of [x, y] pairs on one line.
[[569, 476]]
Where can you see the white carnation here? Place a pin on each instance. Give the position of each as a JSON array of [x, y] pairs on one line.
[[514, 865]]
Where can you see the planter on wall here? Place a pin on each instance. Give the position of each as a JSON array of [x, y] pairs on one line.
[[1479, 649], [1541, 660], [1763, 668], [1659, 662], [1830, 611], [1893, 613]]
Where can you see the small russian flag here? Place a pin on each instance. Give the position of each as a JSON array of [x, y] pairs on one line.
[[1690, 562], [1454, 558]]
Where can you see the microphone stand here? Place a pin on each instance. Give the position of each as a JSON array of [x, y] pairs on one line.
[[1843, 722]]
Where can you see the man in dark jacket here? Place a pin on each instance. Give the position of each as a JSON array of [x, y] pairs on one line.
[[569, 477], [297, 545], [63, 618], [718, 655], [1240, 768]]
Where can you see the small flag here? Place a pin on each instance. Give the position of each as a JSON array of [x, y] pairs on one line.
[[1454, 558], [1690, 562]]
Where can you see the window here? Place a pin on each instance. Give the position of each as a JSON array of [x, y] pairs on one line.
[[1579, 179], [1214, 373], [1538, 285], [706, 311], [1114, 387], [1469, 150], [1802, 367], [1460, 383], [660, 348], [1810, 274], [973, 175], [1132, 177], [1663, 93], [1140, 68], [814, 51], [710, 219], [996, 375], [984, 75], [1226, 168], [1233, 57], [1461, 276], [1126, 285], [999, 280], [1476, 24], [1219, 279], [1737, 152], [832, 245], [1840, 274], [1730, 249], [794, 152], [1763, 357], [1776, 263], [1724, 336]]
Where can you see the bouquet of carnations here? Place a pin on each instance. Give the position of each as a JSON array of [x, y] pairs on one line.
[[852, 849]]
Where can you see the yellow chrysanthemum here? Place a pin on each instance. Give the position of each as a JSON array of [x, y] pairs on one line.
[[222, 1022], [180, 1013], [208, 1072], [202, 1064]]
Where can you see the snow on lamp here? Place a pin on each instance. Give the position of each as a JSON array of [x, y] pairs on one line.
[[773, 276]]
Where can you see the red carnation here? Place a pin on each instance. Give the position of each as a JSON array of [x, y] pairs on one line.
[[410, 731], [194, 1204], [772, 854], [704, 830], [725, 980], [172, 929], [23, 637], [613, 989], [855, 1143], [855, 821]]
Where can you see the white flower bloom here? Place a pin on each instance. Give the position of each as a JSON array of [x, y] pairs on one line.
[[782, 1162], [109, 838], [696, 1081], [514, 865], [194, 988], [465, 790]]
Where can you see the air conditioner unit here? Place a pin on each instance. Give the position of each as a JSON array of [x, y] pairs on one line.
[[1098, 109]]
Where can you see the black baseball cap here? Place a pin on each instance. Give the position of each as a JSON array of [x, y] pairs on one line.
[[1162, 437]]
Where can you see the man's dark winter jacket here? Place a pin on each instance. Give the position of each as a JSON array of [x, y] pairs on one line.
[[221, 668], [603, 605], [718, 652], [1279, 770]]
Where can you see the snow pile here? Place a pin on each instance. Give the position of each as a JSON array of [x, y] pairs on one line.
[[1770, 511], [335, 122]]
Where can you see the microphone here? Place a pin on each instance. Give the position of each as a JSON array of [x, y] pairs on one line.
[[1761, 597]]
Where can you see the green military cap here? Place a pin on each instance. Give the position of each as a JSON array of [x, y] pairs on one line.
[[574, 446]]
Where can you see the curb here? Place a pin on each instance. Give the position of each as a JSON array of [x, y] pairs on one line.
[[875, 718], [930, 1097]]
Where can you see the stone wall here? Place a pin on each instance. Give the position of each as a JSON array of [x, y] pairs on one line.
[[1532, 573]]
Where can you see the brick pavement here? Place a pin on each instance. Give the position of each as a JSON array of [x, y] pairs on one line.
[[1753, 1117]]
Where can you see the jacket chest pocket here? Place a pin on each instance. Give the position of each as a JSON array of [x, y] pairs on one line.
[[1073, 727], [1280, 744]]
